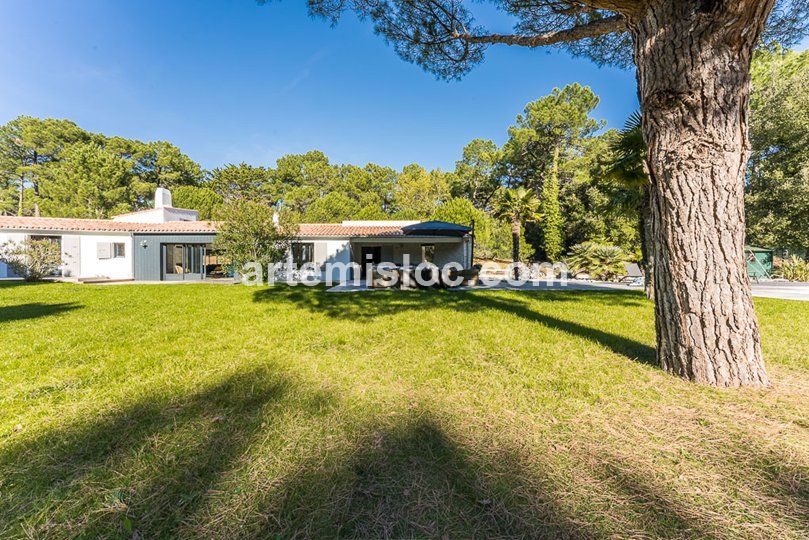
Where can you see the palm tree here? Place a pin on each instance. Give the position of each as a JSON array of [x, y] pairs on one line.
[[628, 168], [517, 206]]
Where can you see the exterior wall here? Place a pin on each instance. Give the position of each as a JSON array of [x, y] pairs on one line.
[[328, 251], [334, 251], [159, 215], [71, 255], [5, 271], [446, 250], [115, 268], [457, 252], [148, 253]]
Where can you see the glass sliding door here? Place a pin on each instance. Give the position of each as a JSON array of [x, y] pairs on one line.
[[183, 262], [173, 268]]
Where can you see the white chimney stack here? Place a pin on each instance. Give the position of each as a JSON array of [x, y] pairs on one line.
[[162, 198]]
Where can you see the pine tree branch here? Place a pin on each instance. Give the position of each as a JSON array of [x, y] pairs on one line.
[[607, 25]]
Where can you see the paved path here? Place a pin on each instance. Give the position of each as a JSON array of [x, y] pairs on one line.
[[784, 290]]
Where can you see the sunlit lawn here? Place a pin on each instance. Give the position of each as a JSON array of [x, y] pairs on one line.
[[226, 411]]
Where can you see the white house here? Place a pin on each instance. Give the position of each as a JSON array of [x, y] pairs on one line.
[[167, 243]]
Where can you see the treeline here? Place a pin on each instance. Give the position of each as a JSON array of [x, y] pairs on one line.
[[556, 150], [56, 168], [777, 191]]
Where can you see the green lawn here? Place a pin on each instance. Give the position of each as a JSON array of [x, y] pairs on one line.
[[227, 412]]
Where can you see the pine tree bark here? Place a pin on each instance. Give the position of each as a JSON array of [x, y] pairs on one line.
[[693, 62]]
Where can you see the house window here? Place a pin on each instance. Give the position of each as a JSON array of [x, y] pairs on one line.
[[110, 250], [302, 253], [427, 253], [54, 239]]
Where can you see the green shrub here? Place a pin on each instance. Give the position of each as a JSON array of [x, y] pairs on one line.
[[32, 259], [795, 269], [601, 261]]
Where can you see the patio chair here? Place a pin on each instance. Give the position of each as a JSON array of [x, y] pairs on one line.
[[634, 275]]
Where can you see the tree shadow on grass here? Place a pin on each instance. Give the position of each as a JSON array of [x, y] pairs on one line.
[[409, 480], [155, 460], [34, 310], [373, 304], [618, 344]]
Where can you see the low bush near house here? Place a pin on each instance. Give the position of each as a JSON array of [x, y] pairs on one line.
[[31, 259]]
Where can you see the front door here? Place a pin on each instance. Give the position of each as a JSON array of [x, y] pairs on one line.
[[369, 255], [183, 262]]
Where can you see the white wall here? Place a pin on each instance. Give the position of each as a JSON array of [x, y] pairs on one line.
[[71, 255], [92, 266], [335, 251], [159, 215], [5, 272], [454, 252]]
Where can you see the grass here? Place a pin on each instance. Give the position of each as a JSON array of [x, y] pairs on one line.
[[224, 411]]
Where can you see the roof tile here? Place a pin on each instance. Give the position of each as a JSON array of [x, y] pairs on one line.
[[102, 225], [106, 225]]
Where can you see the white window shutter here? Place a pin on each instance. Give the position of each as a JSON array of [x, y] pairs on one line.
[[104, 250]]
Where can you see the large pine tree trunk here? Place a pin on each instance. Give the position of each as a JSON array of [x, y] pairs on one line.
[[693, 60]]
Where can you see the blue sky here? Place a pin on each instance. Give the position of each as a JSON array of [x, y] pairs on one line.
[[230, 81]]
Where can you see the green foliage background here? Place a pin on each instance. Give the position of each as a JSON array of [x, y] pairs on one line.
[[555, 149]]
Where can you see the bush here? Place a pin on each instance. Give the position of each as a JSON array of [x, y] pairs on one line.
[[795, 269], [602, 261], [32, 259]]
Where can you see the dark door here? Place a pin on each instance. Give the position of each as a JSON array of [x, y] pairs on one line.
[[369, 255]]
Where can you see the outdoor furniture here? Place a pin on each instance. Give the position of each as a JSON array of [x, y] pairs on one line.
[[378, 281], [470, 275], [634, 275]]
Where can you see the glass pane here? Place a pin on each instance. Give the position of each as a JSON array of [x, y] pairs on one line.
[[303, 252], [193, 259], [427, 253], [214, 263], [174, 259]]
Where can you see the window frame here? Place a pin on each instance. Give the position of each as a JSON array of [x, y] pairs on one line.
[[424, 258], [114, 250], [299, 249]]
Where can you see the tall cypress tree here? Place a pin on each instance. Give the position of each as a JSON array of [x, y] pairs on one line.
[[551, 222]]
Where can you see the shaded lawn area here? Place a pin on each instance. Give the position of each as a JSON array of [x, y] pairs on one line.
[[236, 412]]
